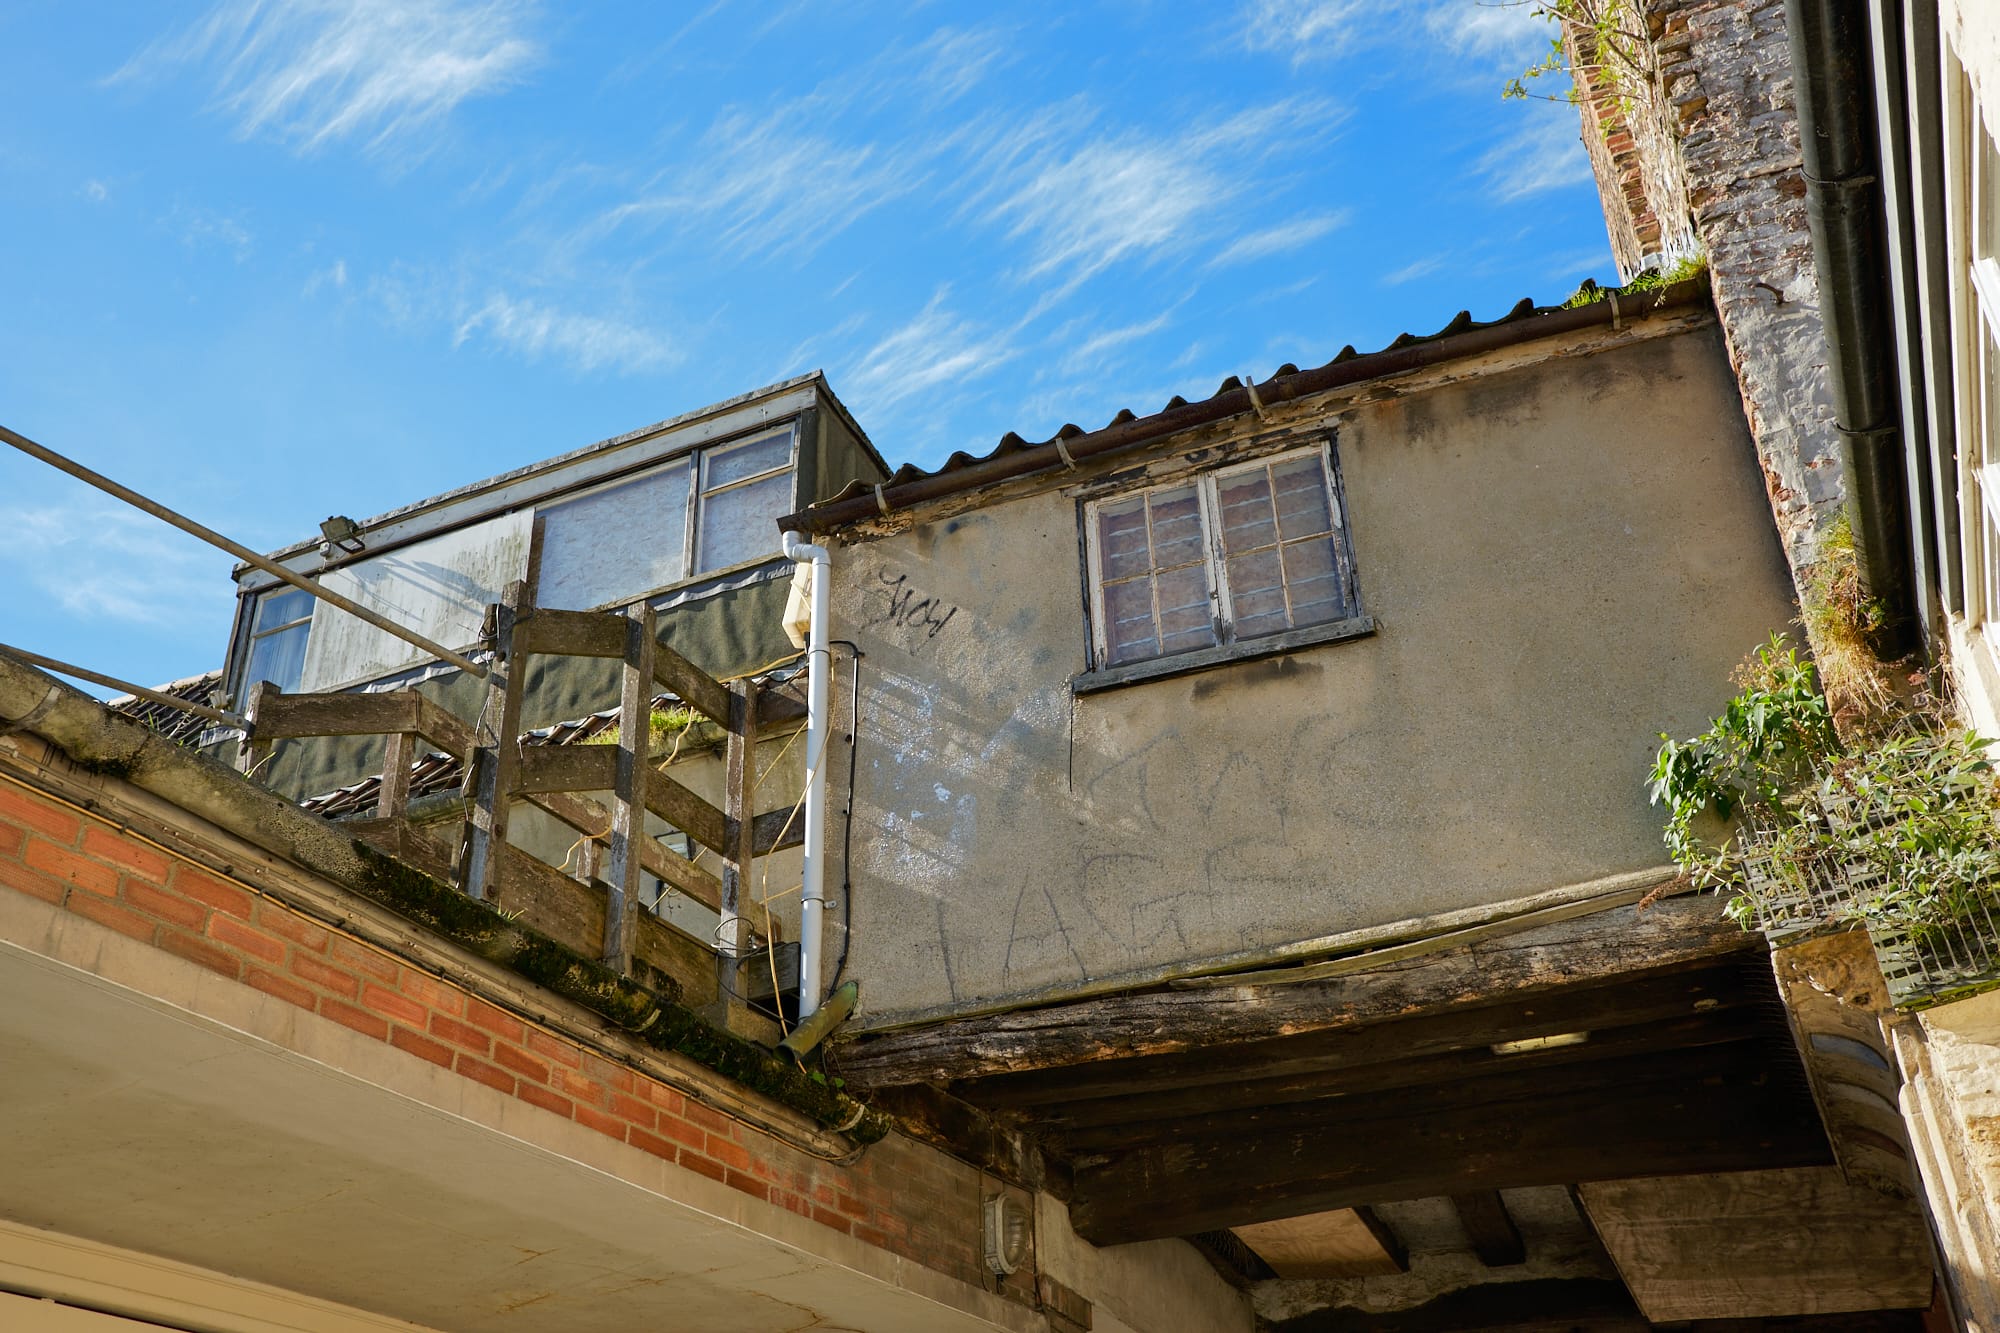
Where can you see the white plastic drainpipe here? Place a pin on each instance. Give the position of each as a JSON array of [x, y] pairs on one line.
[[819, 663]]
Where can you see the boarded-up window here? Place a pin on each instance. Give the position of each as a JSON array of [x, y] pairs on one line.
[[615, 543], [1236, 555], [745, 489], [439, 587]]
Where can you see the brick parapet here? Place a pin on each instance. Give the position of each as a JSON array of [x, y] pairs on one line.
[[900, 1196], [1714, 153]]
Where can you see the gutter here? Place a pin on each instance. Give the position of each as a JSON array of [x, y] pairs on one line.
[[1833, 87], [1461, 338]]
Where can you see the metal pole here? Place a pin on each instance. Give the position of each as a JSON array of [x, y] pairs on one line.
[[243, 553], [112, 682]]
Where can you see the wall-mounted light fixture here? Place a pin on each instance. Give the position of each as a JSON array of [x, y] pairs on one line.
[[341, 531], [1006, 1233]]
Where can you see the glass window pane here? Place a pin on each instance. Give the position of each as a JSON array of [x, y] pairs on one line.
[[279, 658], [1128, 617], [278, 608], [1303, 508], [1986, 205], [1121, 538], [1176, 517], [616, 544], [1247, 519], [1257, 597], [1312, 577], [733, 462], [742, 524], [1185, 619]]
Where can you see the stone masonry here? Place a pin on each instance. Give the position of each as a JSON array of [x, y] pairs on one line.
[[1702, 151]]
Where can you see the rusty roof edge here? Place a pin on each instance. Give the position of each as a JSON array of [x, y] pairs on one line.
[[1014, 458]]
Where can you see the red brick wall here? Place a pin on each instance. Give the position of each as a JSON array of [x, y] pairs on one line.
[[901, 1196]]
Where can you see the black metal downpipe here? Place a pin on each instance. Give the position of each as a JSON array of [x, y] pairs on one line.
[[1833, 85]]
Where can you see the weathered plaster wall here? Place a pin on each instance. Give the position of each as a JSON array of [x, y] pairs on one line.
[[1564, 558], [1713, 141], [1973, 29]]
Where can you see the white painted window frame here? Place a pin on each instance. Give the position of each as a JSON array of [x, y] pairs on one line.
[[1214, 560], [1971, 155]]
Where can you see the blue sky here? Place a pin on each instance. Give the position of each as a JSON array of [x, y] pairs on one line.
[[268, 262]]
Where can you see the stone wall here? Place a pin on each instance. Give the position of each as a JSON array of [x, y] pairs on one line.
[[1704, 149]]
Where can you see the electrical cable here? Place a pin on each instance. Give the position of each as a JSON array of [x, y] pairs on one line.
[[847, 816]]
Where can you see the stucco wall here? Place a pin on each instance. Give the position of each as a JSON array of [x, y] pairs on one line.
[[1563, 558]]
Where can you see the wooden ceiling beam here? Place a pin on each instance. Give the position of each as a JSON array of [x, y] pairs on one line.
[[1697, 1031], [1173, 1189], [1495, 1090], [1495, 1238], [1659, 998], [1678, 933]]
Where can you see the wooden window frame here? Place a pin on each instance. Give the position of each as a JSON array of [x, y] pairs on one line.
[[1229, 646]]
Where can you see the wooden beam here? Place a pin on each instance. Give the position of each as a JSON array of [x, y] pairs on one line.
[[973, 1137], [570, 633], [1733, 1124], [1385, 1072], [281, 716], [392, 800], [775, 830], [589, 817], [1677, 933], [693, 686], [622, 861], [1385, 1236], [1494, 1237], [739, 792], [1497, 1083], [493, 760], [546, 769], [565, 768]]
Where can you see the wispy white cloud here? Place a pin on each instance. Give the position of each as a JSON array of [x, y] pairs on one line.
[[951, 62], [1546, 153], [1083, 199], [933, 347], [1513, 31], [1281, 239], [96, 191], [99, 560], [1094, 351], [334, 275], [314, 72], [202, 227], [770, 184], [1506, 31], [1421, 268], [587, 342]]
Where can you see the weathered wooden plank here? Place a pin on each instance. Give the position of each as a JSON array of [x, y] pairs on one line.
[[739, 790], [775, 830], [494, 759], [685, 811], [1678, 933], [588, 816], [1646, 1129], [565, 768], [1496, 1086], [570, 633], [280, 716], [1375, 1067], [393, 799], [693, 686], [398, 839], [442, 728], [972, 1136], [622, 869], [1494, 1237]]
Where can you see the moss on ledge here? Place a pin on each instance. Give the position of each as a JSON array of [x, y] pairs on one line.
[[654, 1018]]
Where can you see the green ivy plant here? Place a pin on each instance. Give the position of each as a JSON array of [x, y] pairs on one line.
[[1607, 37], [1904, 813]]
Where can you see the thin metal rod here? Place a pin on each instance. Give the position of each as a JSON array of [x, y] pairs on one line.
[[112, 682], [241, 552]]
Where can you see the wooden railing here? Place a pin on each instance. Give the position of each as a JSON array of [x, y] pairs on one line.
[[500, 770]]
